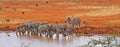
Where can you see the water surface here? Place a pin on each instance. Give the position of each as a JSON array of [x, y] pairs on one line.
[[12, 40]]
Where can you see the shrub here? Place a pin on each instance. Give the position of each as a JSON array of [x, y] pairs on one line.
[[109, 41]]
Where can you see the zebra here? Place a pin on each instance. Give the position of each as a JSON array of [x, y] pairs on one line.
[[69, 30], [73, 21], [59, 29], [21, 30], [85, 23], [29, 27], [44, 28]]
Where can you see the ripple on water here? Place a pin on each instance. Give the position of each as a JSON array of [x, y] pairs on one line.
[[36, 41]]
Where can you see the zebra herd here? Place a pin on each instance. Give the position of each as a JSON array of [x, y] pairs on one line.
[[47, 29]]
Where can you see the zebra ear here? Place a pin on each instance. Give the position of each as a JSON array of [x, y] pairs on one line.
[[67, 18]]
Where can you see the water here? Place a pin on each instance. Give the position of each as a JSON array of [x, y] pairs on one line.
[[12, 40]]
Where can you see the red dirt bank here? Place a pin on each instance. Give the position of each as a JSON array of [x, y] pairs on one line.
[[14, 12]]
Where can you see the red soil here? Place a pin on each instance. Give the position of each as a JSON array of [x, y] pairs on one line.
[[14, 12]]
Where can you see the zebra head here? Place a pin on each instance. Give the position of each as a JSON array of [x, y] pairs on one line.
[[68, 19]]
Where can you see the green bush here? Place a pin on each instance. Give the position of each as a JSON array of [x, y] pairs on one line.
[[107, 42], [24, 45]]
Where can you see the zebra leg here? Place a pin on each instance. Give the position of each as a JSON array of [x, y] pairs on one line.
[[40, 34], [51, 35], [57, 35], [79, 26], [23, 33], [32, 33], [17, 33]]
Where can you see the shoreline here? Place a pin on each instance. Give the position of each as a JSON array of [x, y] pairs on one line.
[[83, 31]]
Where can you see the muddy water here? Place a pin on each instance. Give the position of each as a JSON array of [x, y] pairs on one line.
[[12, 40]]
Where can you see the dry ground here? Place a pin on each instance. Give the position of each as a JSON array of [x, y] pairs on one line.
[[99, 13]]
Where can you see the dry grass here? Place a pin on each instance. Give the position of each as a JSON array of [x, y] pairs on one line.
[[107, 11], [24, 10], [88, 7], [114, 21], [67, 3], [3, 20], [57, 10]]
